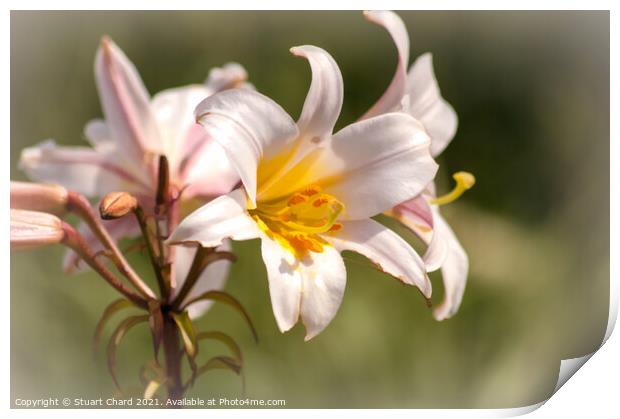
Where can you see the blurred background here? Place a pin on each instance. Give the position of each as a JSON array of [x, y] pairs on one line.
[[532, 93]]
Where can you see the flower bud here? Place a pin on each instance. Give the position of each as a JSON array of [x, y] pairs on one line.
[[32, 229], [39, 197], [116, 205]]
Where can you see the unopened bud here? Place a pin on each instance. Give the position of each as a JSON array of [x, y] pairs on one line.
[[39, 197], [116, 205], [32, 229]]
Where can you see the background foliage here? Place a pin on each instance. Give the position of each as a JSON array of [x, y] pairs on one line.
[[531, 90]]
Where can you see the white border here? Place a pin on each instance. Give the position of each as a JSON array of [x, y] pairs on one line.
[[594, 393]]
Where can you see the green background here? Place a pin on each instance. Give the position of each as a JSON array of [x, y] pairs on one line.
[[532, 93]]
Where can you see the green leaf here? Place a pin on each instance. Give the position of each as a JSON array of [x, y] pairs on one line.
[[116, 339], [226, 340], [220, 363], [228, 299], [188, 333], [110, 310]]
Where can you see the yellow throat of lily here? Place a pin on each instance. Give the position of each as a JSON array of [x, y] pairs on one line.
[[297, 221]]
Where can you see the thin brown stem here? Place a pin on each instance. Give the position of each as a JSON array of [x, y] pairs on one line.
[[76, 241], [80, 206], [150, 246], [173, 355]]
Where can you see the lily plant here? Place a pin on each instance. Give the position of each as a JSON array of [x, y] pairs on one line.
[[190, 169], [149, 163]]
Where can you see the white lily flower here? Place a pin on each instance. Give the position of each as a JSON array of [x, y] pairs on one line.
[[126, 145], [309, 194], [417, 93]]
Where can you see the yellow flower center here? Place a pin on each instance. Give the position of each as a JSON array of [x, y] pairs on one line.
[[464, 181], [297, 221]]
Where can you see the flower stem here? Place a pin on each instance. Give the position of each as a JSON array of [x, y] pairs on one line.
[[173, 355], [75, 241], [79, 204], [153, 253]]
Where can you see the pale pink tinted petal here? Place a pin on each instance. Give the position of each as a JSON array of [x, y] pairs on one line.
[[81, 169], [213, 277], [98, 135], [417, 215], [228, 76], [324, 100], [125, 103], [224, 217], [250, 127], [391, 99], [323, 282], [121, 228], [454, 271], [174, 112], [285, 282], [427, 104], [32, 229], [370, 166], [206, 172], [386, 249]]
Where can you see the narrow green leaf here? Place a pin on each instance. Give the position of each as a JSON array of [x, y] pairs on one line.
[[228, 299], [109, 311], [226, 340], [188, 333], [220, 363], [116, 339]]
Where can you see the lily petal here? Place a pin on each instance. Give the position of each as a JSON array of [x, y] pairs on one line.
[[418, 215], [213, 277], [355, 167], [78, 168], [427, 104], [125, 103], [391, 100], [228, 76], [454, 271], [249, 126], [285, 282], [388, 250], [207, 172], [324, 279], [324, 100], [174, 112], [224, 217]]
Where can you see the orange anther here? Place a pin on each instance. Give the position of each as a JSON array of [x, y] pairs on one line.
[[312, 190], [296, 199], [335, 227], [318, 202]]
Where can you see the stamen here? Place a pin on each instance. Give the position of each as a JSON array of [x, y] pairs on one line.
[[298, 221], [464, 181]]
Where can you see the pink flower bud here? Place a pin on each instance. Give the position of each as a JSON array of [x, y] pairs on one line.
[[32, 229], [39, 197]]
